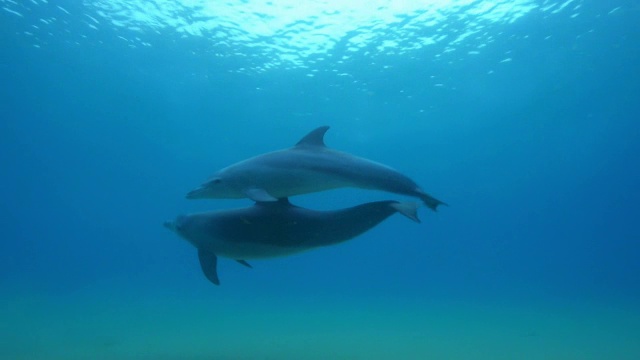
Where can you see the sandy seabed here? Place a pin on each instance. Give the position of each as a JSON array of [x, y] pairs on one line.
[[94, 325]]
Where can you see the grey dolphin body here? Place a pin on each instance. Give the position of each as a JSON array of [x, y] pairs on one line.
[[309, 166], [272, 229]]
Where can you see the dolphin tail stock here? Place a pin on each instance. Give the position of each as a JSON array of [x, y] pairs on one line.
[[431, 202], [408, 209]]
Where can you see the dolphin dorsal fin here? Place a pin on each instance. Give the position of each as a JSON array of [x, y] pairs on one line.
[[314, 138]]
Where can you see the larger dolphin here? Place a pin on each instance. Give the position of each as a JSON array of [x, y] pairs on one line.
[[309, 166], [271, 229]]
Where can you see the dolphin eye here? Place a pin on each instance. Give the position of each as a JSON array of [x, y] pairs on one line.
[[215, 181]]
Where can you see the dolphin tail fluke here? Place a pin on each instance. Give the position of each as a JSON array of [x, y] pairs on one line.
[[408, 209], [431, 202], [209, 265]]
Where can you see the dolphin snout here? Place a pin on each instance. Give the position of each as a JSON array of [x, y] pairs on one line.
[[198, 193], [176, 225], [170, 225]]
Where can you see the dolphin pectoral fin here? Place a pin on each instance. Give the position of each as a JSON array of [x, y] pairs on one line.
[[243, 262], [408, 209], [431, 202], [257, 194], [209, 265]]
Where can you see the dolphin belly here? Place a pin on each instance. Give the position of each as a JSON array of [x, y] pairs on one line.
[[250, 250], [282, 183]]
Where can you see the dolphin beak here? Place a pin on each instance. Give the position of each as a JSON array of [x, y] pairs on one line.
[[170, 225], [198, 193]]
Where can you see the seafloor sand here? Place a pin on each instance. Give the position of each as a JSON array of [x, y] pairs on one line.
[[99, 326]]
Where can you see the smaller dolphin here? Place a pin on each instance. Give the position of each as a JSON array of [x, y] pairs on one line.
[[309, 166], [272, 229]]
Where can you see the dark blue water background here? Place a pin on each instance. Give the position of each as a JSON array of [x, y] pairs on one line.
[[537, 158]]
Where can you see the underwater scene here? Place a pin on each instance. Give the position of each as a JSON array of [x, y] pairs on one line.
[[320, 179]]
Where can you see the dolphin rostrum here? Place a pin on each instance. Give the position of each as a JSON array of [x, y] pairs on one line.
[[309, 166], [272, 229]]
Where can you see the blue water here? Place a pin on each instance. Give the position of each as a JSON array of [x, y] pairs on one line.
[[521, 115]]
